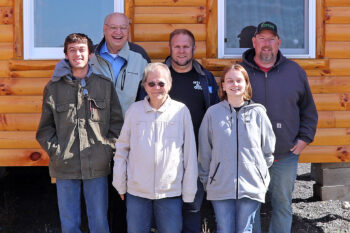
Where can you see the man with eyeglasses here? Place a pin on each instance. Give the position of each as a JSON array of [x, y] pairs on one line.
[[120, 60], [80, 122], [281, 85], [123, 62]]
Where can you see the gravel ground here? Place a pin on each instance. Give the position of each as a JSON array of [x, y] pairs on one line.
[[28, 204]]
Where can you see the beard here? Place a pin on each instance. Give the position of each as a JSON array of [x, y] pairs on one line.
[[182, 63], [267, 57]]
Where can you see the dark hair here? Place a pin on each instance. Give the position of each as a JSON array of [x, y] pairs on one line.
[[184, 32], [78, 38], [248, 90]]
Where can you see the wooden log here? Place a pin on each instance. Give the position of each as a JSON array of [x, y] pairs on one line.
[[20, 86], [24, 65], [6, 33], [5, 2], [129, 12], [18, 140], [171, 3], [337, 49], [6, 50], [332, 102], [337, 3], [19, 122], [6, 15], [333, 119], [161, 32], [338, 15], [20, 104], [4, 69], [320, 26], [31, 74], [332, 137], [337, 32], [212, 29], [160, 50], [325, 154], [339, 67], [18, 29], [175, 15], [23, 157], [326, 84]]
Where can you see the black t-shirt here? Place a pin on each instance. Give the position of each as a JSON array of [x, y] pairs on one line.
[[187, 89]]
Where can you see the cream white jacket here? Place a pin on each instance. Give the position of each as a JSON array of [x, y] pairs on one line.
[[156, 152]]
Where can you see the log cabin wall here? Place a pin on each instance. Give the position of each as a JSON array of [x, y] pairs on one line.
[[22, 82]]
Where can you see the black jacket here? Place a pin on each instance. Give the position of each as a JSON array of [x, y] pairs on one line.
[[284, 91]]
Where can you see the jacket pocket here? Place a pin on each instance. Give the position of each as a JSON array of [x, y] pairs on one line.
[[65, 113], [261, 175], [212, 177], [98, 110]]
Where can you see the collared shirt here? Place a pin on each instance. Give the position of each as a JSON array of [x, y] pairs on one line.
[[116, 62]]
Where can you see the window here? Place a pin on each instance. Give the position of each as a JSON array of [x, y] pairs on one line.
[[295, 20], [47, 23]]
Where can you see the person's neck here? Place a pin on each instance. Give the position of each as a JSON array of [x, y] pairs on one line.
[[156, 104], [262, 64], [235, 102], [181, 69], [113, 50], [80, 72]]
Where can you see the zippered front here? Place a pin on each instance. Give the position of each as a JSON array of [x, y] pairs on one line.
[[237, 159], [266, 89]]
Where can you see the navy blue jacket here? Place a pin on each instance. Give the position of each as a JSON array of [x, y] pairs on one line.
[[285, 92]]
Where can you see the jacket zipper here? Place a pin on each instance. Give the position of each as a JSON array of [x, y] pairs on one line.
[[155, 150], [236, 147], [266, 89]]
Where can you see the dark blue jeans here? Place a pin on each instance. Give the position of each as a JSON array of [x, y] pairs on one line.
[[166, 213], [69, 204], [191, 212]]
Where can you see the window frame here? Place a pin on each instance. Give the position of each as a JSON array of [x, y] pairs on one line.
[[44, 53], [238, 51]]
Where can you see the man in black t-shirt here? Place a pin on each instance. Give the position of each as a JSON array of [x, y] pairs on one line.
[[197, 89]]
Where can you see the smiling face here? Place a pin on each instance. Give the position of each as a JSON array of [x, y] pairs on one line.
[[181, 51], [157, 86], [234, 84], [78, 55], [266, 46], [116, 31]]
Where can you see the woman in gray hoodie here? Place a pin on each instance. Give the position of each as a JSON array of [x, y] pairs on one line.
[[236, 144]]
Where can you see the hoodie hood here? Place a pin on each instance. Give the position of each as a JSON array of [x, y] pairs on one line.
[[64, 69], [248, 59]]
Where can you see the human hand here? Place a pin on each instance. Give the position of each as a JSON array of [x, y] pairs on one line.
[[298, 147], [122, 196]]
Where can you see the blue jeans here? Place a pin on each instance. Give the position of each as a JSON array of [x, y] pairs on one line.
[[69, 204], [283, 174], [166, 212], [235, 215], [191, 212]]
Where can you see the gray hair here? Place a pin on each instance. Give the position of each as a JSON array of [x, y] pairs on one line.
[[152, 67], [116, 13]]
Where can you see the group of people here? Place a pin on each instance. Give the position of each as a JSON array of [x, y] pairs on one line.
[[168, 137]]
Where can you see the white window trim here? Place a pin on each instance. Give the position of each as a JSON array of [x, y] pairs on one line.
[[33, 53], [312, 33]]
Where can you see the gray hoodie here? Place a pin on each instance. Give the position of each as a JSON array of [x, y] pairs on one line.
[[235, 151]]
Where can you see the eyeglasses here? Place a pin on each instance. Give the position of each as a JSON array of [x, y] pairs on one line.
[[159, 84], [122, 28]]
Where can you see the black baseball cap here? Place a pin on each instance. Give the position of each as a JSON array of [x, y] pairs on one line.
[[266, 26]]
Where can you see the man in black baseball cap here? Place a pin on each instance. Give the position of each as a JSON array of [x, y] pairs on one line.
[[267, 26]]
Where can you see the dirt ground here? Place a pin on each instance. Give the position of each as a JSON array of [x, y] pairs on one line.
[[28, 204]]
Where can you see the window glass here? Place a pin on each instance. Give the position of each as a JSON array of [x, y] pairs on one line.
[[291, 17], [55, 19]]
